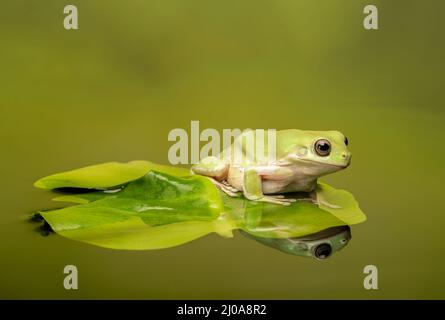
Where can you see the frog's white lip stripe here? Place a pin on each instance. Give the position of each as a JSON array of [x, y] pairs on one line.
[[324, 163]]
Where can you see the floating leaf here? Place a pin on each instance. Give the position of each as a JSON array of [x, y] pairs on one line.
[[151, 211], [345, 209], [106, 175], [168, 208]]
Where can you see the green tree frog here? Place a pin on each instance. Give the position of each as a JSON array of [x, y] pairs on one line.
[[298, 159]]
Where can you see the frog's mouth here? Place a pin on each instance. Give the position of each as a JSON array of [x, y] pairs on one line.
[[325, 164]]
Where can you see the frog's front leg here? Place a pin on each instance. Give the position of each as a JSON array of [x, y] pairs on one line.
[[253, 187]]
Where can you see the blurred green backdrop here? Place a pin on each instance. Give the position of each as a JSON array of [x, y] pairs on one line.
[[134, 70]]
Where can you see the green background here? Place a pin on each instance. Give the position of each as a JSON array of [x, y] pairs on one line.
[[134, 70]]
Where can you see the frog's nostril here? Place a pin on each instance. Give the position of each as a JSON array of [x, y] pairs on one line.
[[346, 157]]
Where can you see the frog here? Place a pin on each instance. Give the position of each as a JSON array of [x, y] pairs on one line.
[[294, 165]]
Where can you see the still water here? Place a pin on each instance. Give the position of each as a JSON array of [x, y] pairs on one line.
[[112, 90]]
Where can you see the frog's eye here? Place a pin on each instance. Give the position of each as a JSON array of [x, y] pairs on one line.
[[323, 147], [346, 141]]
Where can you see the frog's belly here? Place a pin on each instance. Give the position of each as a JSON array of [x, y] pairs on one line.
[[295, 183]]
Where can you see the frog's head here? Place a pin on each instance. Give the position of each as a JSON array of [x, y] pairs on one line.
[[321, 152]]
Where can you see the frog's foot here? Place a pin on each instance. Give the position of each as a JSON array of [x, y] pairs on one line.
[[228, 186], [324, 203], [228, 191], [329, 205], [278, 199], [225, 187]]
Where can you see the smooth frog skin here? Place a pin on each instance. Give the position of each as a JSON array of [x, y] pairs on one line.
[[300, 158]]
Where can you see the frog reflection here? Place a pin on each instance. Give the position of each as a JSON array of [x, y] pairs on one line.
[[303, 230], [320, 245]]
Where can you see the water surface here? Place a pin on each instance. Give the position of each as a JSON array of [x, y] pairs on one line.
[[112, 90]]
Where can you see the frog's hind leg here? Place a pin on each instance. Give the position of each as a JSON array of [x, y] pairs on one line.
[[212, 167], [225, 187]]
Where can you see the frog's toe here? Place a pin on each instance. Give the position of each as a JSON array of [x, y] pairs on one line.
[[228, 186], [329, 205], [275, 200], [229, 192], [282, 198]]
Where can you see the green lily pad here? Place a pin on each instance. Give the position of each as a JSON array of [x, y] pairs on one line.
[[165, 207], [152, 212], [106, 175]]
